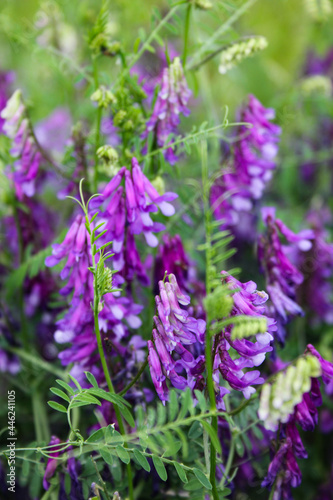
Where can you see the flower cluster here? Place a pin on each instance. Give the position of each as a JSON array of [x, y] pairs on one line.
[[292, 399], [278, 400], [282, 276], [24, 149], [238, 51], [6, 79], [171, 101], [317, 267], [77, 326], [73, 470], [126, 211], [234, 193], [174, 329], [247, 300]]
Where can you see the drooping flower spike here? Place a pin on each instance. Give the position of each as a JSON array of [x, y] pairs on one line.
[[174, 329], [126, 205], [171, 101], [249, 301], [16, 127], [282, 276], [251, 166]]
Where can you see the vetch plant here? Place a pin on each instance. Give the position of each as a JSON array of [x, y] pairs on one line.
[[169, 334]]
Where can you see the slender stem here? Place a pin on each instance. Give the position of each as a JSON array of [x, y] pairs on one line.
[[98, 128], [222, 29], [186, 33], [101, 350], [208, 339], [110, 386], [101, 479], [229, 461], [137, 376], [24, 330]]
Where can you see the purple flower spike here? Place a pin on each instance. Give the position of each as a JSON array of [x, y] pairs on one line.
[[24, 148], [247, 300], [283, 277], [174, 327], [170, 103], [252, 162], [126, 211]]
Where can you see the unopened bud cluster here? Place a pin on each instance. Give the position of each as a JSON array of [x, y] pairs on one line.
[[278, 400], [316, 85], [233, 54], [103, 97]]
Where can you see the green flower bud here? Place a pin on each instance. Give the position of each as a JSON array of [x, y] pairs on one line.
[[119, 118], [316, 85], [233, 54], [108, 154], [203, 4], [278, 400], [103, 97]]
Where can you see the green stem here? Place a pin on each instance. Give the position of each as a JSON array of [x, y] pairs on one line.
[[100, 347], [98, 128], [110, 386], [137, 376], [186, 33], [24, 330], [208, 340], [229, 462]]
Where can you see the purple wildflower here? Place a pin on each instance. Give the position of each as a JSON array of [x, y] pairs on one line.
[[54, 131], [126, 211], [235, 191], [171, 101], [317, 267], [174, 329], [24, 149], [77, 326], [6, 79], [282, 276], [249, 301]]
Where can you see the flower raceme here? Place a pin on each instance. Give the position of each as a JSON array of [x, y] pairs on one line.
[[282, 275], [126, 210], [77, 326], [292, 399], [24, 149], [278, 400], [253, 161], [247, 300], [171, 101], [174, 329]]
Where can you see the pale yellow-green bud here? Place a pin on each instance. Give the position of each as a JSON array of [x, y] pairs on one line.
[[103, 97], [278, 400], [233, 54], [107, 153], [316, 85], [12, 105], [203, 4]]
